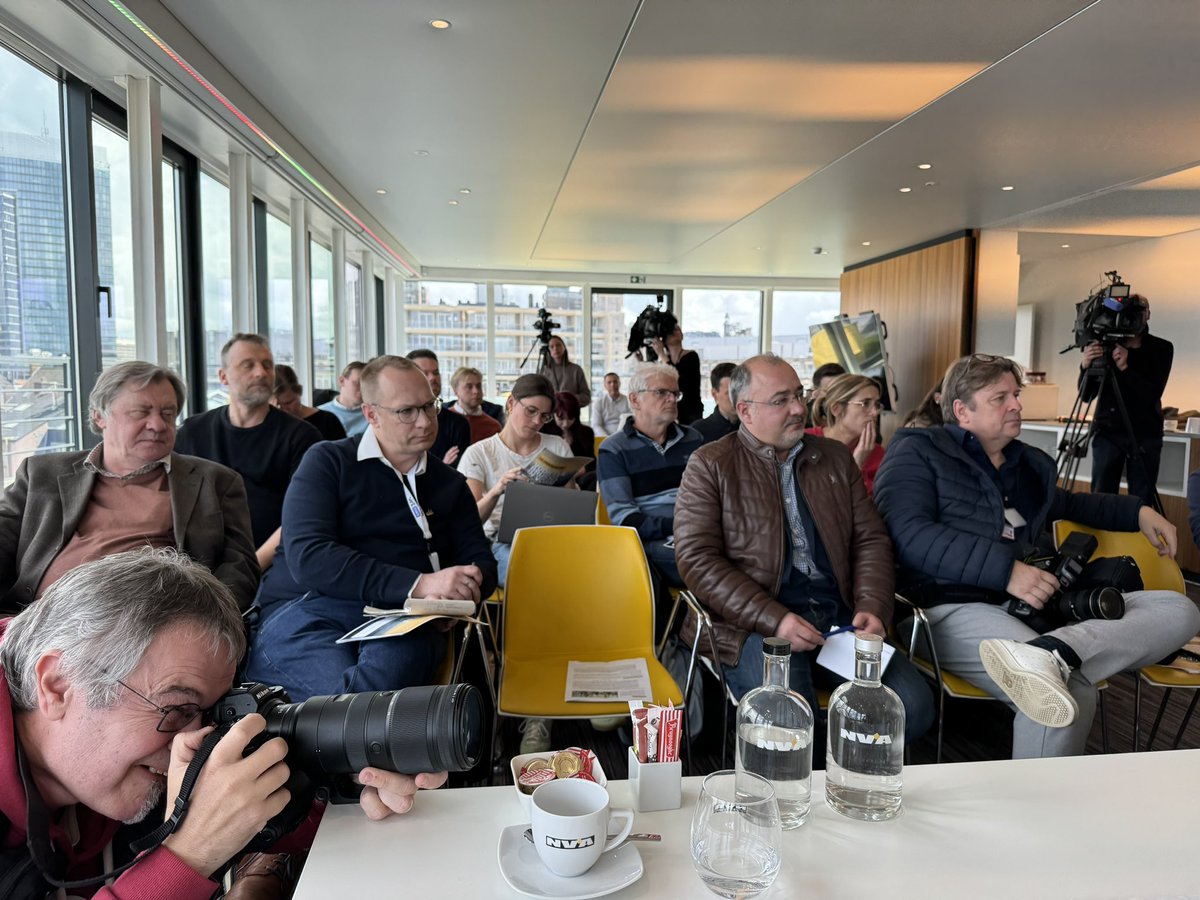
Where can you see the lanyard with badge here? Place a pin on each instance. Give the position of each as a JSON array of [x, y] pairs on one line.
[[414, 506]]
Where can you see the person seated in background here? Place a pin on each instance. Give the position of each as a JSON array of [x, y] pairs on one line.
[[453, 432], [131, 490], [565, 375], [822, 374], [261, 443], [611, 407], [347, 405], [287, 395], [492, 464], [102, 686], [849, 414], [776, 536], [370, 522], [467, 384], [929, 413], [967, 504], [639, 469], [723, 420], [579, 437]]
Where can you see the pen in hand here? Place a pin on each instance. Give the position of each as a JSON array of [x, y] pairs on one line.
[[842, 630]]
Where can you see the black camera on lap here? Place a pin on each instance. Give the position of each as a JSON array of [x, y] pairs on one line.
[[330, 739], [1088, 590]]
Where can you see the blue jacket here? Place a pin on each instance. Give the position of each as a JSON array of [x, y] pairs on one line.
[[639, 480], [946, 515], [348, 532]]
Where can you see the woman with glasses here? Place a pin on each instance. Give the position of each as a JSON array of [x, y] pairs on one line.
[[850, 413], [495, 462]]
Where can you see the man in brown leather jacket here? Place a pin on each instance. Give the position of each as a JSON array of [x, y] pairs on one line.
[[775, 535]]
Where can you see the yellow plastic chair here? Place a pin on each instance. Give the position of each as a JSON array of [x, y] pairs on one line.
[[599, 439], [601, 510], [575, 592], [1159, 573]]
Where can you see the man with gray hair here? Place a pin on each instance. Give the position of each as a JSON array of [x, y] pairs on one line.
[[969, 507], [640, 467], [103, 684], [131, 490]]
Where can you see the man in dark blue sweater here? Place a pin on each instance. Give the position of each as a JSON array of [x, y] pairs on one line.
[[967, 504], [370, 522]]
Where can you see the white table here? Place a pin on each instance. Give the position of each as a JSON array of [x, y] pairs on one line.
[[1095, 826]]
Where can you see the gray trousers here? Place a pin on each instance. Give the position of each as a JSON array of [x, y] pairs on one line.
[[1155, 624]]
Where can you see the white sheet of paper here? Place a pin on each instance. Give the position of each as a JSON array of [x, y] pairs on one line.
[[608, 682], [837, 655]]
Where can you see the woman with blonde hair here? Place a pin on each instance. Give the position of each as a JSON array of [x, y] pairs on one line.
[[849, 413]]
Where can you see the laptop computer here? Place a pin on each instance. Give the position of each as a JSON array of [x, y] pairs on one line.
[[527, 505]]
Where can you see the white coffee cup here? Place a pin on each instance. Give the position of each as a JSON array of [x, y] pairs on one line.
[[570, 824], [1193, 426]]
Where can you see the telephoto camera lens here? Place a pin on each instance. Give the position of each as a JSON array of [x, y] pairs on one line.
[[417, 729], [1097, 603]]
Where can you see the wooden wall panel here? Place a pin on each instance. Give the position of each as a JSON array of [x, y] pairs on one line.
[[925, 298]]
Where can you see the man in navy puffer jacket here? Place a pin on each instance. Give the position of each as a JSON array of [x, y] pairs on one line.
[[965, 504]]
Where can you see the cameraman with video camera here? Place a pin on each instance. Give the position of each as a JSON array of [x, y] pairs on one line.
[[969, 508], [103, 685], [1141, 365]]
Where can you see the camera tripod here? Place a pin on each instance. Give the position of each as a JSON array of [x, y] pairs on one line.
[[544, 358], [1081, 426]]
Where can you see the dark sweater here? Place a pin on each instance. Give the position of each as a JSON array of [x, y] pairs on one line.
[[1142, 385], [691, 407], [265, 456], [714, 426], [348, 532], [329, 425], [453, 431]]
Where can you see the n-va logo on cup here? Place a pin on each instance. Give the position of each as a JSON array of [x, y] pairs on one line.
[[570, 843], [857, 738]]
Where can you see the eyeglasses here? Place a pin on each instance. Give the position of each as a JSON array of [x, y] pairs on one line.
[[868, 404], [663, 394], [408, 414], [174, 718], [532, 412], [779, 402]]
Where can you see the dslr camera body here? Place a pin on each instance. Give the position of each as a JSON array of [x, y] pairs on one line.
[[652, 322], [1087, 591]]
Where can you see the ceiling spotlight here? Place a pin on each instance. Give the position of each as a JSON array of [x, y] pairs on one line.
[[1007, 187], [381, 191], [420, 153], [820, 251], [758, 248], [866, 243], [439, 24], [453, 202], [906, 190], [930, 183], [464, 190], [924, 166], [1065, 246]]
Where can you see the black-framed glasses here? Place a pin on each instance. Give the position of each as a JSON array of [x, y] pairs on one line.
[[868, 404], [780, 402], [663, 394], [174, 718], [532, 412], [408, 414]]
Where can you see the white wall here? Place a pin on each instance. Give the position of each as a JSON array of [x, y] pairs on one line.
[[1165, 270]]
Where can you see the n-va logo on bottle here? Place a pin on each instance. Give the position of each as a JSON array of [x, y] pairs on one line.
[[859, 738], [570, 843]]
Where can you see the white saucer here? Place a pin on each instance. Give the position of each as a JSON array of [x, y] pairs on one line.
[[527, 874]]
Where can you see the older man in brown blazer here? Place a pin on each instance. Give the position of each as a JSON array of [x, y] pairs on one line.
[[130, 491], [775, 535]]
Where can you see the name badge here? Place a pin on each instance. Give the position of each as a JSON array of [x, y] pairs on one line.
[[1014, 518]]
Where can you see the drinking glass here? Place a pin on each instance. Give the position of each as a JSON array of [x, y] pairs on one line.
[[736, 834]]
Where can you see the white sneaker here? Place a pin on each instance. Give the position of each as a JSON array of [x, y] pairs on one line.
[[1034, 679], [535, 736]]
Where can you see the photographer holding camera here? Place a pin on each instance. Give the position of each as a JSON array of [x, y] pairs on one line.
[[1141, 365], [104, 681], [966, 503]]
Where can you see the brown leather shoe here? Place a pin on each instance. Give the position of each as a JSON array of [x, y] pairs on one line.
[[263, 876]]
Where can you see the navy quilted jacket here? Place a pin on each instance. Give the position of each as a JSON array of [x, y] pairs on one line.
[[946, 515]]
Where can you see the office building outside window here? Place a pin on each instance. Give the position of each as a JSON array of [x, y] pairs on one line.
[[449, 318], [217, 273], [354, 311], [517, 307], [279, 290], [114, 243], [324, 367]]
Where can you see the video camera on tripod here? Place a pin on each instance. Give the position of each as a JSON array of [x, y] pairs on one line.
[[1108, 315], [544, 326]]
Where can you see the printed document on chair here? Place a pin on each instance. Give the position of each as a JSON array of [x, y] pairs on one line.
[[608, 682], [837, 655]]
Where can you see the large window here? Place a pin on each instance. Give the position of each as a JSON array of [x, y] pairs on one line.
[[721, 326], [37, 373], [791, 314], [218, 281], [517, 306], [613, 315], [324, 366], [114, 243], [279, 290], [450, 318], [354, 311], [172, 271]]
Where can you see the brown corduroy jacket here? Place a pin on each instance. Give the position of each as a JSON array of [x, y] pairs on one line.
[[730, 530]]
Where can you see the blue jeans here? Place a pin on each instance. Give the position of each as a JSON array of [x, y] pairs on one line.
[[295, 647], [1111, 455], [502, 553], [662, 558], [806, 676]]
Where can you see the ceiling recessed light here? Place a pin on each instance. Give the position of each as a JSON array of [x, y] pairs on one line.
[[924, 166], [439, 24], [420, 153], [381, 191], [866, 243], [1065, 246], [464, 190], [453, 203], [930, 183], [905, 190], [1007, 187], [758, 248]]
